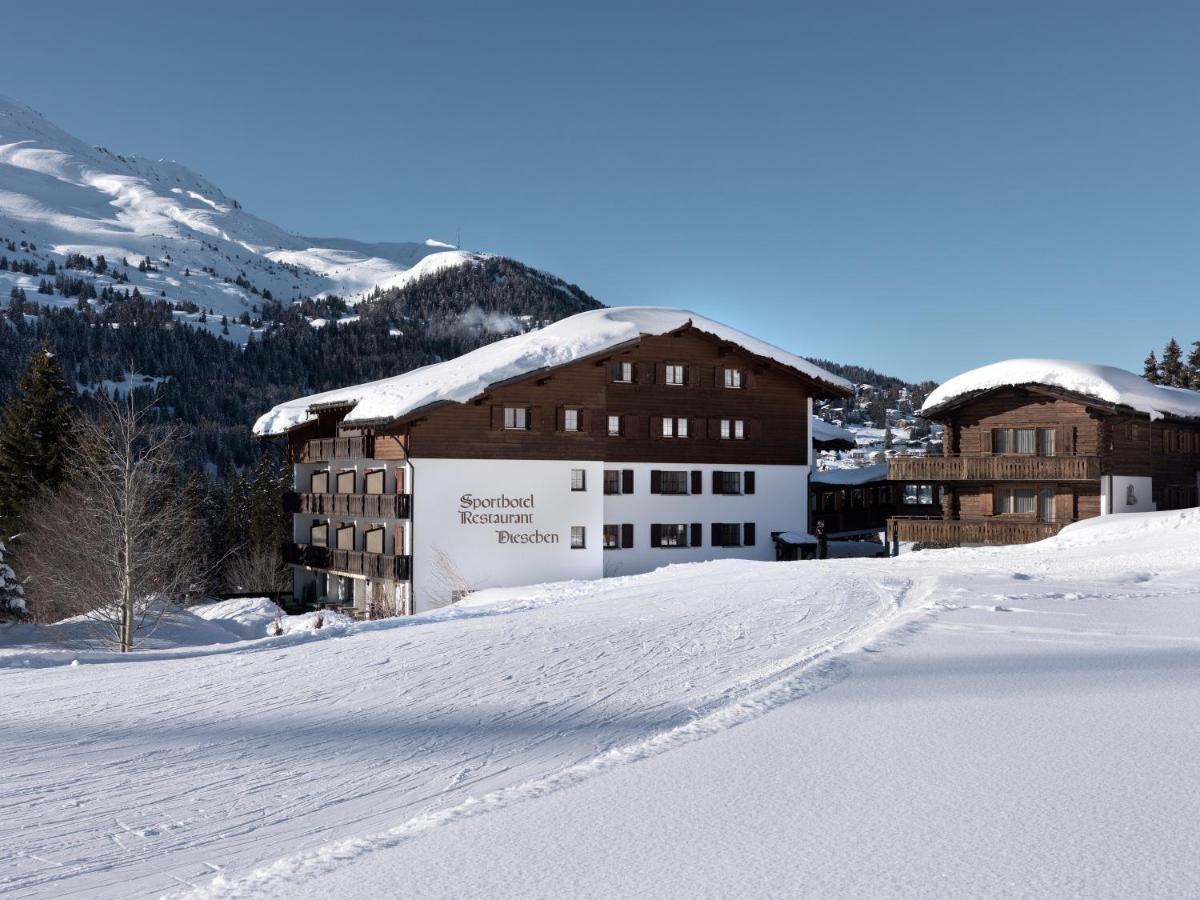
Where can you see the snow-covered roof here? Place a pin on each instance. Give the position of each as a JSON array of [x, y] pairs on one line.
[[1106, 384], [466, 377], [851, 476], [825, 432]]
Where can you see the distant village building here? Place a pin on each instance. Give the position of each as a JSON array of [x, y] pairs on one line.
[[609, 443], [1031, 445]]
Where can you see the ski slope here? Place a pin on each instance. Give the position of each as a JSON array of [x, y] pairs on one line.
[[726, 725]]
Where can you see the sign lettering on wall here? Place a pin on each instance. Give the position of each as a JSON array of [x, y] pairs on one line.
[[504, 510]]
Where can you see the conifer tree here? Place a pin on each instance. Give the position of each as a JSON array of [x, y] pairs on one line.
[[1151, 372], [33, 435], [1193, 364], [1172, 365], [12, 593]]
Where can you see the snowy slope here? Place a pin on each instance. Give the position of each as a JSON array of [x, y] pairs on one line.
[[63, 197], [331, 762]]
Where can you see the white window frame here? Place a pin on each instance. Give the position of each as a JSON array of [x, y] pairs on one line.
[[626, 373], [571, 420], [516, 418], [733, 378], [614, 426], [673, 374]]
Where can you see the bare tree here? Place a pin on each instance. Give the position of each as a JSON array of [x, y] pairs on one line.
[[118, 542], [261, 570]]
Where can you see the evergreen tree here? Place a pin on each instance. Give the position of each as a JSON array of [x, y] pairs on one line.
[[1151, 371], [33, 435], [1172, 365], [12, 594], [1193, 363]]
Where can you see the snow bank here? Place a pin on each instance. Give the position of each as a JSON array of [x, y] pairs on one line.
[[246, 617], [1104, 383], [310, 621], [461, 379], [1128, 527], [827, 431]]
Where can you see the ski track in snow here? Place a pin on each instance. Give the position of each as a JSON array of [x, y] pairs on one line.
[[142, 775], [247, 768]]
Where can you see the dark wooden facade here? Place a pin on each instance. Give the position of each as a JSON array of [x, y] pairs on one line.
[[771, 404], [1091, 440]]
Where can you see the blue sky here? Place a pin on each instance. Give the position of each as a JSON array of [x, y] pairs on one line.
[[918, 187]]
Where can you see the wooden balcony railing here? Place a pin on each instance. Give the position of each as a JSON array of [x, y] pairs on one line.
[[956, 532], [993, 468], [379, 506], [326, 449], [351, 562]]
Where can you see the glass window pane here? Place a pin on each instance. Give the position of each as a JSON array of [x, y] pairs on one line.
[[1046, 441], [999, 440], [1024, 440]]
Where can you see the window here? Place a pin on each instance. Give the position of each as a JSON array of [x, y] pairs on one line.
[[1013, 501], [571, 420], [1000, 440], [918, 494], [373, 481], [726, 534], [373, 539], [612, 537], [578, 533], [345, 536], [616, 426], [673, 535], [318, 535], [1045, 438], [673, 482], [579, 479], [612, 481], [733, 378], [1046, 505], [320, 482], [674, 427], [733, 429], [672, 374], [727, 482], [516, 418], [345, 482], [623, 372]]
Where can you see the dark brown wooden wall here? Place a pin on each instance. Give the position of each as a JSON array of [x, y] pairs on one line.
[[973, 422], [774, 406]]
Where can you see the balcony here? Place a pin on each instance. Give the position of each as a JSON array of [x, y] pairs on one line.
[[326, 449], [939, 532], [993, 468], [375, 506], [350, 562]]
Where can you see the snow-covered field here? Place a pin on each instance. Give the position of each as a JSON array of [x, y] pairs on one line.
[[1012, 721]]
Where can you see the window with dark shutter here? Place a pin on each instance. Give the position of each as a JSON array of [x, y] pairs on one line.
[[748, 483], [656, 535], [697, 481], [697, 537], [627, 481], [612, 481], [716, 539], [655, 481], [718, 486], [748, 534], [626, 536]]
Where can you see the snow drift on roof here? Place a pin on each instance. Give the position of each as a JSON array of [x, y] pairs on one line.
[[848, 476], [468, 376], [1104, 383], [826, 431]]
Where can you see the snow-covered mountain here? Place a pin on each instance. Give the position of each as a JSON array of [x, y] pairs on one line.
[[59, 197]]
